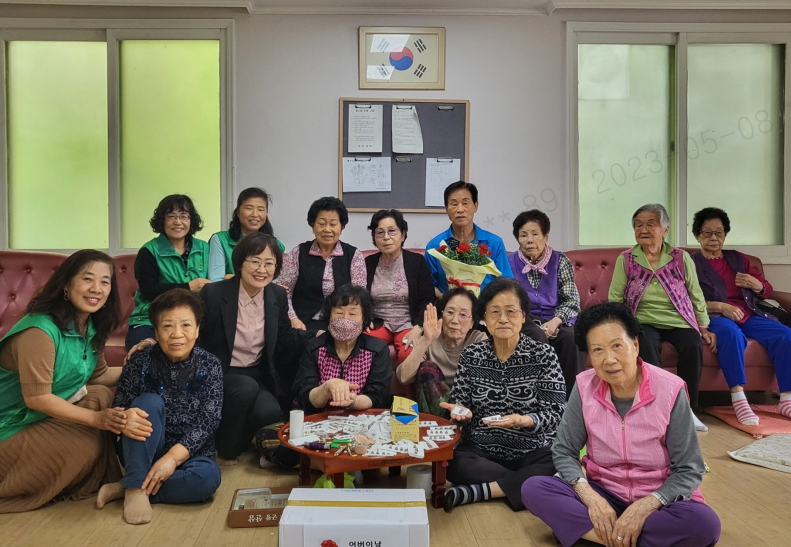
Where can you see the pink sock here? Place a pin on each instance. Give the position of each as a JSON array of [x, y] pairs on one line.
[[744, 413], [784, 407]]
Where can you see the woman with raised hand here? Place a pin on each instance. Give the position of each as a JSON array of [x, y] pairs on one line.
[[250, 216], [174, 259], [57, 424], [432, 365]]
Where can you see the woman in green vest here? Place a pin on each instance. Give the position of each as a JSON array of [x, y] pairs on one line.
[[173, 260], [251, 215], [57, 430]]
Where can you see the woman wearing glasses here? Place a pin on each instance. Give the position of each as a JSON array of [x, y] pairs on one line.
[[731, 287], [399, 282], [447, 330], [173, 260], [508, 395], [246, 325]]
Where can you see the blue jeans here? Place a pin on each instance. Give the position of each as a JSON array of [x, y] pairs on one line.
[[732, 341], [138, 333], [194, 480]]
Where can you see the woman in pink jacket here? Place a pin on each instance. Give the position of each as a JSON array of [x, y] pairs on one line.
[[643, 464]]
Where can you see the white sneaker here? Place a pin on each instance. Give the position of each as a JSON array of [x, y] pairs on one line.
[[699, 426]]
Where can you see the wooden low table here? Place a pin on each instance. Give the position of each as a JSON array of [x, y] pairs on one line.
[[335, 466]]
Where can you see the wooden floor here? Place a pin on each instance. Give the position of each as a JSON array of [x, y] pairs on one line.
[[754, 504]]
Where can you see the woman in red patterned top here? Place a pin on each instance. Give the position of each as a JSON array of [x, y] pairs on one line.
[[344, 368]]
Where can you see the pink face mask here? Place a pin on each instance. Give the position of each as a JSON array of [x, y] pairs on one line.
[[344, 329]]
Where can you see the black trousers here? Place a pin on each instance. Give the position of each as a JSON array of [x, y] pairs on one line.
[[690, 354], [572, 361], [471, 465], [247, 406]]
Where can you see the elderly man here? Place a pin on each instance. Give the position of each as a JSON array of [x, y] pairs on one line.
[[461, 204]]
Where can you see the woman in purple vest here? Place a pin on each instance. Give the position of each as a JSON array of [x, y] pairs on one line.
[[312, 270], [732, 286], [658, 284], [548, 278], [643, 466]]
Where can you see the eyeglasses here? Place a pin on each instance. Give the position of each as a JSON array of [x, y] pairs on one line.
[[510, 313], [718, 234], [392, 232], [172, 217], [256, 264], [461, 316]]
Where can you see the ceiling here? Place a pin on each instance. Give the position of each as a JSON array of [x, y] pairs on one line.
[[444, 7]]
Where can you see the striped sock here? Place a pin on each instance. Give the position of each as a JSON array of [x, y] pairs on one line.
[[466, 493], [744, 413], [784, 407]]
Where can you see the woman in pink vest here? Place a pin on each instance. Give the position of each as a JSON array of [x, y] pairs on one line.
[[643, 464], [658, 284]]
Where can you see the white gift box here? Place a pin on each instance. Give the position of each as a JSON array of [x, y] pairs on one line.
[[331, 517]]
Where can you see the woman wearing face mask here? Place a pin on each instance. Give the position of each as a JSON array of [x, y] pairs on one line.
[[343, 368]]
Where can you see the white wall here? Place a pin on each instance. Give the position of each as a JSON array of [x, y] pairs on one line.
[[291, 71], [510, 69]]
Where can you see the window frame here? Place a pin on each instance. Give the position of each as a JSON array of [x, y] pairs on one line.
[[112, 31], [680, 36]]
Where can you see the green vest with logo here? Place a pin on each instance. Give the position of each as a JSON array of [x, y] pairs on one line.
[[171, 270], [228, 244], [75, 362]]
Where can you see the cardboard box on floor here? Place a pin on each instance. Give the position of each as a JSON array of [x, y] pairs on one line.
[[404, 420], [331, 517], [251, 517]]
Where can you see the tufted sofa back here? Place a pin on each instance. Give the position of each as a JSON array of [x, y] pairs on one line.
[[22, 273], [593, 269]]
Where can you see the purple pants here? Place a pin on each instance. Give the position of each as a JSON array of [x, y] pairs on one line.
[[683, 523]]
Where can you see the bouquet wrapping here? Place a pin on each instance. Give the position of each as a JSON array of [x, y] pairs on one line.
[[467, 266]]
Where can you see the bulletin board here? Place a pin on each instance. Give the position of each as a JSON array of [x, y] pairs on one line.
[[445, 126]]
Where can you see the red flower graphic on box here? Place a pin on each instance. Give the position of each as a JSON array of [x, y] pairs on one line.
[[328, 543]]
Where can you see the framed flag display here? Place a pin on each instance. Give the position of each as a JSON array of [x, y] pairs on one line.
[[402, 58]]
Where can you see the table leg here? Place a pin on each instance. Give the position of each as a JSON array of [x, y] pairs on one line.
[[304, 470], [338, 480], [395, 471], [438, 478]]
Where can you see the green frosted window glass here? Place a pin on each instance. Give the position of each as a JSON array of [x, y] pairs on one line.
[[624, 101], [57, 144], [735, 148], [170, 131]]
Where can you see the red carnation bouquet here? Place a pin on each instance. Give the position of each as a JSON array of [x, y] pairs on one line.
[[467, 265]]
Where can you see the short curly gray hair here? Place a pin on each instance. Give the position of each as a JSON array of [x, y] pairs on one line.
[[659, 209]]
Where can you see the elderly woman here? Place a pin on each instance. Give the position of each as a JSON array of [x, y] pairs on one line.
[[731, 286], [659, 285], [250, 216], [344, 368], [548, 277], [509, 394], [174, 259], [312, 270], [178, 387], [433, 364], [246, 326], [399, 282], [643, 464], [57, 429]]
